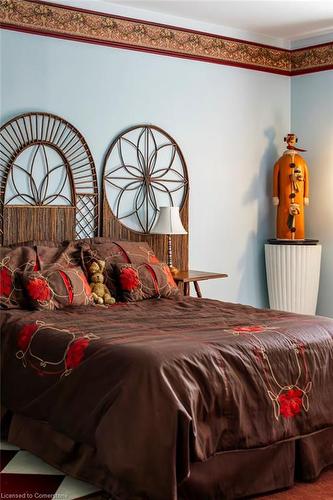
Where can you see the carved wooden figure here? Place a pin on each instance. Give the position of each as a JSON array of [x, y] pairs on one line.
[[290, 192]]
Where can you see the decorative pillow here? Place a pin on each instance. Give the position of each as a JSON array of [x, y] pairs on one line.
[[65, 254], [115, 252], [137, 252], [14, 262], [57, 287], [145, 281]]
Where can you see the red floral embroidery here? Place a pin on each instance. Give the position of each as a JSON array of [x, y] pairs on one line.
[[25, 335], [252, 329], [76, 352], [38, 289], [290, 403], [129, 279], [5, 282]]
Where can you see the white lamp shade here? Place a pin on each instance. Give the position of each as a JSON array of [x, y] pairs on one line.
[[169, 222]]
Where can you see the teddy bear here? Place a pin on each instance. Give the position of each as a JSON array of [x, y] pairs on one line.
[[100, 292]]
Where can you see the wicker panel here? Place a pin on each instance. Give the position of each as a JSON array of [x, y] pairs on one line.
[[39, 223], [46, 162], [152, 173], [86, 215]]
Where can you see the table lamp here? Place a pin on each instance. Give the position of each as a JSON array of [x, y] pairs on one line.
[[169, 222]]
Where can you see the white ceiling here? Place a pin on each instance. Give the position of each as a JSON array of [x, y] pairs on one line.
[[288, 20]]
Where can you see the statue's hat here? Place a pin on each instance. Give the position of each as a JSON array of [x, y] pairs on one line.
[[288, 138]]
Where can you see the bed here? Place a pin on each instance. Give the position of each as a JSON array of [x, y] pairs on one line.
[[169, 398]]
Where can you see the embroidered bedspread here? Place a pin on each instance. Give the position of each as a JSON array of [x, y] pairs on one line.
[[157, 384]]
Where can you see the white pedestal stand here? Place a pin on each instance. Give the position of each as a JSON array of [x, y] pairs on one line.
[[293, 276]]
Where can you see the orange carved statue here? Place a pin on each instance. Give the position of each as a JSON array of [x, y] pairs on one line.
[[290, 191]]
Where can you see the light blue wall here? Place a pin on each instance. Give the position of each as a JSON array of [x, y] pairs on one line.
[[312, 121], [229, 123]]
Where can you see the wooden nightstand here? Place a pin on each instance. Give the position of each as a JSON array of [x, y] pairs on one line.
[[187, 277]]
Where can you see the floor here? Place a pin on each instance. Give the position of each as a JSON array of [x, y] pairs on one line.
[[322, 489], [24, 473]]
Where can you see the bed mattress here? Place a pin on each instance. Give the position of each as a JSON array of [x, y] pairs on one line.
[[150, 395]]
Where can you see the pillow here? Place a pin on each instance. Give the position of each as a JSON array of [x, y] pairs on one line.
[[14, 262], [67, 253], [137, 252], [56, 288], [145, 281], [115, 252], [18, 259]]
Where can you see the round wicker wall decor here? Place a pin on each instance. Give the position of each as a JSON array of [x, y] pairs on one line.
[[144, 169]]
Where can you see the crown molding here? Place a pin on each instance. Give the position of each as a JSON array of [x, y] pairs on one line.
[[72, 23]]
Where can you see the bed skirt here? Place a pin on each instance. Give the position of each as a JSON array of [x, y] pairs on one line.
[[227, 475]]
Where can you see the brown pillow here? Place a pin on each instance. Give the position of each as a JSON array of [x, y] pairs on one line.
[[14, 262], [57, 287], [18, 259], [115, 252], [67, 253], [145, 281], [137, 252]]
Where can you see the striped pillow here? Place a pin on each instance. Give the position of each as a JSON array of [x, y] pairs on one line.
[[145, 281], [56, 288]]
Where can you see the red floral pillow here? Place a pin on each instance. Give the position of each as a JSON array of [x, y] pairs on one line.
[[115, 252], [13, 262], [57, 287], [145, 281], [19, 259]]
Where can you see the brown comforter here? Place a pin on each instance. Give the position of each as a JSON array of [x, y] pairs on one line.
[[155, 385]]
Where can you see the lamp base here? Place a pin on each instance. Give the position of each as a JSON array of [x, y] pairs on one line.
[[173, 270]]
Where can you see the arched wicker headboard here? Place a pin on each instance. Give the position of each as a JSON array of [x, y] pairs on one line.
[[48, 185], [144, 168]]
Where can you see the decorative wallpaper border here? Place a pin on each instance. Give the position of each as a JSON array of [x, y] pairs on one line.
[[42, 18], [310, 59]]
